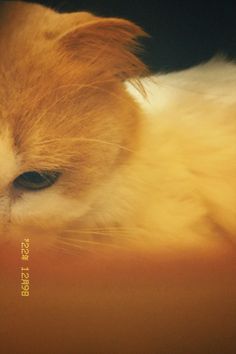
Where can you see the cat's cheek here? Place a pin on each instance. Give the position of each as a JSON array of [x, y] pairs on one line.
[[47, 210]]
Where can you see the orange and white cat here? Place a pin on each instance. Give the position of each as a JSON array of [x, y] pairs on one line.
[[86, 157]]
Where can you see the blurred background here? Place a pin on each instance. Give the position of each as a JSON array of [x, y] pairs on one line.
[[183, 33]]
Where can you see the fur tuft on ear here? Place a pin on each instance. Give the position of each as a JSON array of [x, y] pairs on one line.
[[108, 45]]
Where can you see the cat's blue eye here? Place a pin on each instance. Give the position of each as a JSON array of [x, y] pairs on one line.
[[34, 181]]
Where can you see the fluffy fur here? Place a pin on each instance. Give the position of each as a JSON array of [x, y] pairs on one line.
[[148, 171]]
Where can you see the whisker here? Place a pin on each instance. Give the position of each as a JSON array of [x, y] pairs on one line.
[[114, 238], [67, 249], [105, 231], [122, 236], [79, 140], [78, 243]]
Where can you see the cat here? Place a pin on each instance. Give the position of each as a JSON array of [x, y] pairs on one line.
[[96, 151]]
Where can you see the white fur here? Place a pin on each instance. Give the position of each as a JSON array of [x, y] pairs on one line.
[[51, 202], [214, 80]]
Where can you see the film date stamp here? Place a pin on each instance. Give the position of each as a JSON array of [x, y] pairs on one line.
[[24, 270]]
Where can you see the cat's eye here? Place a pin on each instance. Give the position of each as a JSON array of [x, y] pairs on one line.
[[36, 180]]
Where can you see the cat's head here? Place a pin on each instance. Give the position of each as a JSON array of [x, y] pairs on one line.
[[67, 123]]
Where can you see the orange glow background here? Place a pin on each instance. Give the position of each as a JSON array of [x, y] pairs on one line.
[[119, 303]]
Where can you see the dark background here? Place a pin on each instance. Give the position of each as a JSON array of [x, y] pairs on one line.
[[183, 33]]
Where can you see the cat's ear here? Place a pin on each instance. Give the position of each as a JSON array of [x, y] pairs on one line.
[[107, 44]]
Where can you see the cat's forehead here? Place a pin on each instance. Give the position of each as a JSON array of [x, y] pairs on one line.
[[40, 118], [35, 113]]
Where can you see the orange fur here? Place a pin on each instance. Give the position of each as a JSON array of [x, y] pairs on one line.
[[131, 174]]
